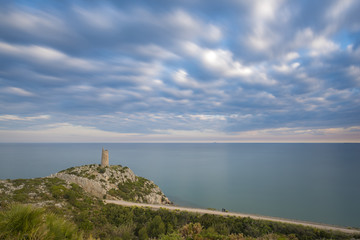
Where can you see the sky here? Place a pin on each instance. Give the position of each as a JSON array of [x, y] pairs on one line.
[[180, 71]]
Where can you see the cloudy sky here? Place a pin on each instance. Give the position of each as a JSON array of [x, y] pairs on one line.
[[180, 71]]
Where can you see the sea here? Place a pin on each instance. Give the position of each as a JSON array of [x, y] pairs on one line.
[[311, 182]]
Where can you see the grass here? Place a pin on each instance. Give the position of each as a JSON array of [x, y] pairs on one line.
[[28, 222]]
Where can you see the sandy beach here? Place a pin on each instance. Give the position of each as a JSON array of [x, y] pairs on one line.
[[206, 211]]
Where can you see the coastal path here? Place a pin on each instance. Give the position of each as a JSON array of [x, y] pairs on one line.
[[257, 217]]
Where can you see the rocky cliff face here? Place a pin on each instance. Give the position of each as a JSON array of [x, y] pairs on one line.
[[114, 182]]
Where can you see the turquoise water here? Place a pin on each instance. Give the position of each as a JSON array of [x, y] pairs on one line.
[[311, 182]]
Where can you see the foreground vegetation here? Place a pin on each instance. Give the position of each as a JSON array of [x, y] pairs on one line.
[[28, 222], [65, 211]]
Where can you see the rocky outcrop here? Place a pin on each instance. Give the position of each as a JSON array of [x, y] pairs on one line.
[[114, 182], [90, 186]]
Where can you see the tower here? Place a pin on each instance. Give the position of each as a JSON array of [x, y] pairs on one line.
[[104, 158]]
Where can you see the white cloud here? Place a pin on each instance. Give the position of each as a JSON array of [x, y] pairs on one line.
[[264, 95], [67, 132], [34, 22], [338, 9], [155, 51], [221, 63], [316, 44], [190, 27], [64, 132], [303, 37], [266, 10], [17, 118], [217, 60], [295, 65], [322, 46], [263, 13], [291, 56], [178, 23], [286, 68], [182, 78], [45, 55], [102, 17], [336, 15], [108, 95], [205, 117], [17, 91], [214, 33], [354, 72]]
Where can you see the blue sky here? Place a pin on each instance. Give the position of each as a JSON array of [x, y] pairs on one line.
[[180, 71]]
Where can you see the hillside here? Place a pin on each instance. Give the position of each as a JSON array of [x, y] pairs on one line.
[[114, 182], [111, 182], [76, 195]]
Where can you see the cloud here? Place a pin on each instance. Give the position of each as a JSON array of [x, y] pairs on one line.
[[219, 61], [17, 91], [181, 77], [45, 56], [354, 73], [31, 22], [317, 45], [285, 68], [65, 132], [102, 18], [155, 51], [180, 68], [18, 118], [291, 56], [185, 23]]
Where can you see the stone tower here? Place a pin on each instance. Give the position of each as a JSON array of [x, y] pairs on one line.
[[104, 158]]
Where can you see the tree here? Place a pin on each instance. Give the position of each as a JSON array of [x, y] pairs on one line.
[[143, 234], [156, 227]]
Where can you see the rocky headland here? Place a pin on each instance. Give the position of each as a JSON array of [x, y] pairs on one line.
[[102, 182], [114, 182]]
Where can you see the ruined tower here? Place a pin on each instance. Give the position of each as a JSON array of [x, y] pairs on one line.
[[104, 158]]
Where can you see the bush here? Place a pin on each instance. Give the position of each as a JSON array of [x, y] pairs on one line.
[[143, 234], [28, 222], [58, 191], [156, 227]]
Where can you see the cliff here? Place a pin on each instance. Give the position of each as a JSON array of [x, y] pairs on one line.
[[114, 182], [111, 182]]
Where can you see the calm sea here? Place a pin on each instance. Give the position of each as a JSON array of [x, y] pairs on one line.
[[311, 182]]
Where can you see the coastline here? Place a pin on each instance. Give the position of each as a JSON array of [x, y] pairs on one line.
[[234, 214]]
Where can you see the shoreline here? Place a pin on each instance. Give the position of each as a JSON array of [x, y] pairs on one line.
[[235, 214]]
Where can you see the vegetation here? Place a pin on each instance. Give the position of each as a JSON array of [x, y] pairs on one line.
[[117, 222], [133, 190], [27, 222], [67, 206]]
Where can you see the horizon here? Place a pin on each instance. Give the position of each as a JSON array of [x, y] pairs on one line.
[[180, 72], [168, 142]]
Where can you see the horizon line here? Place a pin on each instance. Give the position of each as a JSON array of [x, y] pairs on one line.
[[195, 142]]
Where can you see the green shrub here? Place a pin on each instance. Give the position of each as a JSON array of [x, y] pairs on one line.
[[58, 191], [143, 234], [28, 222], [20, 196], [156, 227]]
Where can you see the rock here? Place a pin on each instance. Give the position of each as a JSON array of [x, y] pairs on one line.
[[114, 182], [90, 186]]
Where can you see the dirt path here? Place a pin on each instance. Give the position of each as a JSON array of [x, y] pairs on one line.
[[203, 211]]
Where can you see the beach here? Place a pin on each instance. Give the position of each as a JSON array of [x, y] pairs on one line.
[[233, 214]]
